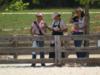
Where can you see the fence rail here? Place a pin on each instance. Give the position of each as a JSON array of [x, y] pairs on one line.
[[21, 45]]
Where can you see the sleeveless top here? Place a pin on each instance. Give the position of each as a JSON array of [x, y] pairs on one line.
[[59, 25]]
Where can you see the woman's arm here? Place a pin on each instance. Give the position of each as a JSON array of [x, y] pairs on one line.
[[63, 26], [31, 31], [65, 30]]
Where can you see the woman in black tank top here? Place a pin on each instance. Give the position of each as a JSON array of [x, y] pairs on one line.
[[58, 28]]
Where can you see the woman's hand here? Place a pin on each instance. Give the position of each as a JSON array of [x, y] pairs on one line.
[[56, 29]]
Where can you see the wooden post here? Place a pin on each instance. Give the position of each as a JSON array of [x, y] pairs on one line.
[[57, 50], [14, 44]]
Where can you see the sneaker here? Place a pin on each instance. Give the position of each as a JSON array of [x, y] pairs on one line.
[[42, 64], [33, 65]]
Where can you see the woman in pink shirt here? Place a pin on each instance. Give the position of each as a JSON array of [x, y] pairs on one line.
[[38, 28]]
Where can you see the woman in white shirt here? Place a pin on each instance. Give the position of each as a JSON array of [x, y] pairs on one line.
[[78, 28]]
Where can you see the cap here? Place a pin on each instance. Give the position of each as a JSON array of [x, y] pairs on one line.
[[39, 14], [55, 14]]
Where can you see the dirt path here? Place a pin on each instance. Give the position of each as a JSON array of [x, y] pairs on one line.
[[27, 70]]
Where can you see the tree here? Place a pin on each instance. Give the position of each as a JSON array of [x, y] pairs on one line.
[[6, 3], [86, 4]]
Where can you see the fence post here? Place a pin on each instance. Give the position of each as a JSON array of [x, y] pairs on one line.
[[57, 50], [14, 44]]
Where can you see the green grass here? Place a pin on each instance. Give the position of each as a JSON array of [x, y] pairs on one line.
[[45, 10], [16, 22], [19, 22], [52, 10]]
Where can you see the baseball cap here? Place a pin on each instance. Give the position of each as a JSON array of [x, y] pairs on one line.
[[39, 14], [55, 14]]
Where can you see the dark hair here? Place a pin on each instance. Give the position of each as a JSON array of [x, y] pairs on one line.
[[81, 10], [74, 19], [59, 15], [82, 14]]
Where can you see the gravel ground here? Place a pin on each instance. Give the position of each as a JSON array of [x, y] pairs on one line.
[[25, 69]]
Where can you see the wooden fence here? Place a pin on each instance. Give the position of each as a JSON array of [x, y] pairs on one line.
[[22, 45]]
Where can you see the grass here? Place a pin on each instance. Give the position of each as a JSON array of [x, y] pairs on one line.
[[52, 10], [20, 24]]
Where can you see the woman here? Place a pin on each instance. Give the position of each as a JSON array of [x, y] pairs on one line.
[[78, 28], [58, 27], [38, 28]]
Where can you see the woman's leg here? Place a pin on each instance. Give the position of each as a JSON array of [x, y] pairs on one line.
[[82, 54], [42, 57], [33, 57], [78, 43], [42, 54], [52, 54]]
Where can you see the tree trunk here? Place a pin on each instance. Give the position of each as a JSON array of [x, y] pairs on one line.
[[87, 23], [87, 18]]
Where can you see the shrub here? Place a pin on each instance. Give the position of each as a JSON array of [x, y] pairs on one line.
[[17, 6]]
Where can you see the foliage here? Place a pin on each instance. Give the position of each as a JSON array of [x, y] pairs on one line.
[[83, 2], [35, 1], [17, 6]]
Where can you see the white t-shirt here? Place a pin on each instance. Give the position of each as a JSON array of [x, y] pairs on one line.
[[81, 24]]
